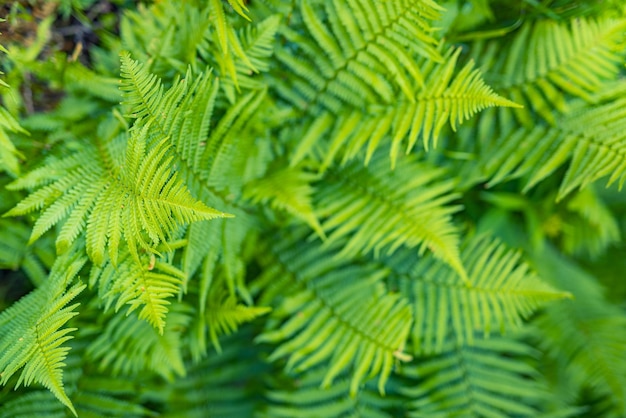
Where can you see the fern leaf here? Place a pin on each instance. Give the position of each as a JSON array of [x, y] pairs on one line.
[[502, 291], [592, 140], [383, 210], [549, 61], [308, 400], [586, 337], [287, 189], [146, 285], [331, 318], [32, 336], [485, 379], [130, 346], [144, 198], [224, 315], [355, 74]]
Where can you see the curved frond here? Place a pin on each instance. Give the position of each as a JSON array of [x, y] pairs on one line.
[[147, 284], [383, 210], [130, 346], [484, 380], [585, 337], [144, 201], [287, 189], [32, 336], [308, 400], [501, 291], [335, 313], [362, 76], [548, 61], [592, 140]]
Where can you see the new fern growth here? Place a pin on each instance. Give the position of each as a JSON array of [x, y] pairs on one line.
[[315, 208]]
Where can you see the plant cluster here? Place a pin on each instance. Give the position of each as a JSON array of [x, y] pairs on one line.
[[313, 208]]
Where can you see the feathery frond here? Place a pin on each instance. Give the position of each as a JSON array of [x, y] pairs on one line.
[[381, 210], [484, 380], [336, 313], [501, 291], [32, 336]]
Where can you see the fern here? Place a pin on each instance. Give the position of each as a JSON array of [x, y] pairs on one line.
[[482, 380], [32, 337], [501, 293], [279, 209]]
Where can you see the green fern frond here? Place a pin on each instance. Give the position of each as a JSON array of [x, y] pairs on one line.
[[9, 155], [591, 227], [362, 78], [147, 284], [484, 380], [32, 336], [502, 291], [40, 404], [548, 61], [224, 315], [307, 400], [141, 198], [593, 140], [586, 337], [287, 189], [130, 346], [382, 210], [329, 317]]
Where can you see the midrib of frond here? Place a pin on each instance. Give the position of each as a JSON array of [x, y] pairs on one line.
[[374, 38], [304, 284], [466, 381], [595, 44], [398, 209]]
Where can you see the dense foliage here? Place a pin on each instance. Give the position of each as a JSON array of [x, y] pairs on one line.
[[313, 208]]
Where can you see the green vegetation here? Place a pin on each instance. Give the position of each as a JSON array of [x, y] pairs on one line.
[[313, 208]]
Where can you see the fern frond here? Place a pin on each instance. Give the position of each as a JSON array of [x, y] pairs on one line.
[[40, 404], [502, 291], [586, 337], [484, 380], [335, 313], [147, 284], [226, 385], [307, 400], [381, 210], [359, 77], [287, 189], [9, 155], [224, 315], [32, 336], [593, 140], [549, 61], [130, 346], [142, 198]]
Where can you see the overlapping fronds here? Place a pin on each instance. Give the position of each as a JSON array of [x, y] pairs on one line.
[[592, 140], [361, 76], [335, 313], [382, 210], [147, 284], [502, 291], [585, 337], [143, 201], [308, 400], [32, 336], [130, 346], [486, 379], [548, 61], [224, 315], [226, 384], [288, 189]]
